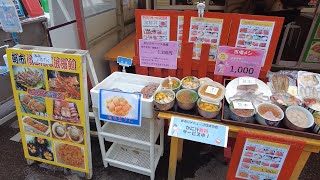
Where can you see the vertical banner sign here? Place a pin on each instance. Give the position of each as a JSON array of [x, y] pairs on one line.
[[155, 28], [205, 30], [158, 54], [237, 62], [255, 34], [50, 100], [261, 159], [312, 52], [208, 133], [120, 107]]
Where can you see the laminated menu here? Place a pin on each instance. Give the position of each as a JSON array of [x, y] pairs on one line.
[[205, 30], [255, 34], [261, 159], [155, 28], [49, 88]]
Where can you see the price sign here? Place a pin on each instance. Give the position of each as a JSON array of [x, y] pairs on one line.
[[158, 54], [246, 81], [212, 90], [41, 58], [242, 105], [238, 62], [208, 133]]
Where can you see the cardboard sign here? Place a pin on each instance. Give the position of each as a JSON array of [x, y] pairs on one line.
[[158, 54], [238, 62], [120, 107], [208, 133], [50, 95]]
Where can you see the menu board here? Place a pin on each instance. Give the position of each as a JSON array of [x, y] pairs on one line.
[[50, 98], [255, 34], [205, 30], [180, 33], [261, 159], [155, 28]]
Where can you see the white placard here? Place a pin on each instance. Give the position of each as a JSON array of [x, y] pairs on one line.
[[41, 58], [242, 105], [212, 90], [215, 103], [246, 81]]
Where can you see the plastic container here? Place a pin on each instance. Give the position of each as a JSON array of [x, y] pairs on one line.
[[212, 92], [129, 83], [289, 124], [189, 98], [190, 82], [175, 87], [284, 100], [264, 120], [205, 80], [208, 113], [161, 103]]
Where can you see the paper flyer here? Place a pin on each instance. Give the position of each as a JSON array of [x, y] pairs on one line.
[[255, 34], [205, 30], [180, 33]]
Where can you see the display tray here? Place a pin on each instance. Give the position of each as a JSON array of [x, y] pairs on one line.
[[281, 129], [191, 113]]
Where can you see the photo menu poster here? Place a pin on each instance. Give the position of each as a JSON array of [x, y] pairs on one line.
[[261, 159], [155, 28], [50, 98], [180, 33], [255, 34], [205, 30]]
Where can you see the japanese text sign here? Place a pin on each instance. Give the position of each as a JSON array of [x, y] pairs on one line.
[[208, 133], [123, 61], [120, 107], [238, 62], [158, 54], [50, 95]]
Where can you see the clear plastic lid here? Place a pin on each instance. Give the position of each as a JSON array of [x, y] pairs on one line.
[[212, 92]]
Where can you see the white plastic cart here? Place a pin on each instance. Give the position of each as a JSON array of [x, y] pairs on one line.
[[134, 148]]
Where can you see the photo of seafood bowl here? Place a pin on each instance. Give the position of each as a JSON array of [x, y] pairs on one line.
[[65, 111], [32, 104], [26, 77], [64, 82], [67, 132]]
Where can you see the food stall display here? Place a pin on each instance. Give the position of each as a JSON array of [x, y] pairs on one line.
[[49, 87]]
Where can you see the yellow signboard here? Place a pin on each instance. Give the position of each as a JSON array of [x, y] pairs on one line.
[[51, 101]]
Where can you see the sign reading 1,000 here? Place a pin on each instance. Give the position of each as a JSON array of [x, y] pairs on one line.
[[242, 70]]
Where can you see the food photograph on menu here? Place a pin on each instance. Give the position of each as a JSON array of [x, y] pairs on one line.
[[65, 82], [26, 77]]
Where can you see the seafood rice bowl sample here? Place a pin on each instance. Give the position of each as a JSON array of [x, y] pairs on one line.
[[298, 118], [171, 83], [164, 99], [186, 99], [190, 82], [269, 114]]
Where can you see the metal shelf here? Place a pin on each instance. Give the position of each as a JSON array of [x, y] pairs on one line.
[[132, 159], [138, 137]]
